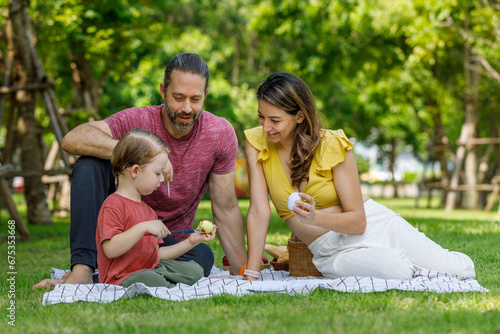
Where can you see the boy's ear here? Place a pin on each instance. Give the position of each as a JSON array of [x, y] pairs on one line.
[[133, 170]]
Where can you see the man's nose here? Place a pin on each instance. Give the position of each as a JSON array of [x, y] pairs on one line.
[[186, 106]]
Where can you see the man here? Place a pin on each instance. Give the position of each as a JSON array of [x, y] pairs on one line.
[[203, 154]]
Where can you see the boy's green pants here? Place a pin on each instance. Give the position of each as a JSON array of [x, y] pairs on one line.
[[168, 273]]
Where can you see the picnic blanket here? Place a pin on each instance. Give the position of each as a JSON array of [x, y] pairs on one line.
[[221, 282]]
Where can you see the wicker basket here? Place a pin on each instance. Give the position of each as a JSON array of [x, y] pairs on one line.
[[300, 259], [279, 265]]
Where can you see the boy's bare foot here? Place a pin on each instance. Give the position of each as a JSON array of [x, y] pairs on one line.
[[81, 274]]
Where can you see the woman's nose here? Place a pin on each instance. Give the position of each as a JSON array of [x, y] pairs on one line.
[[266, 126]]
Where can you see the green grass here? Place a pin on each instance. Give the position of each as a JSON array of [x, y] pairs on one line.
[[475, 233]]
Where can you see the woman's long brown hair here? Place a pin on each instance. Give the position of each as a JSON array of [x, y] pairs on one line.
[[291, 94]]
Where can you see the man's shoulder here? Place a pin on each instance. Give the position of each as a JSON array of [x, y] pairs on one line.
[[213, 125], [212, 119], [153, 109]]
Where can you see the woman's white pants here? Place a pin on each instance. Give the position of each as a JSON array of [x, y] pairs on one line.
[[390, 248]]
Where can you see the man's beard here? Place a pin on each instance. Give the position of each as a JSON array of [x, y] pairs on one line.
[[179, 125]]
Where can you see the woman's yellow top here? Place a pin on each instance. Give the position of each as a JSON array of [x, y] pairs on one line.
[[331, 151]]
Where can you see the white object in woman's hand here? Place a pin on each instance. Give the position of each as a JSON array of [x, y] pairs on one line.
[[305, 210], [290, 203]]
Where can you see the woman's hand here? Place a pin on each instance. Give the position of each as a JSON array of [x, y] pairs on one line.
[[305, 211]]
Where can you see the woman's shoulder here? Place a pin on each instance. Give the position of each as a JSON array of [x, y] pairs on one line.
[[258, 139], [332, 150], [335, 138], [328, 133]]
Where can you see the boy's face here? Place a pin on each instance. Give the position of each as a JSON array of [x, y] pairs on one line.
[[150, 177]]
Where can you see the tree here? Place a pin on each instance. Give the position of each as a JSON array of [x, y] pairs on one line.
[[28, 130]]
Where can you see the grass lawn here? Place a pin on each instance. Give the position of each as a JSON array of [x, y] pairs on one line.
[[475, 233]]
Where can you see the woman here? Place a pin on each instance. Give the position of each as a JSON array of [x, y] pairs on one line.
[[348, 234]]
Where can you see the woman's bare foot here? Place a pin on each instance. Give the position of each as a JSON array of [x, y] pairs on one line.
[[81, 274]]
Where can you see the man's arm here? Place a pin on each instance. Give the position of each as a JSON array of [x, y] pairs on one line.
[[228, 218], [92, 138]]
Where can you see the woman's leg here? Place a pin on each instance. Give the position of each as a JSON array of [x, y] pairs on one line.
[[395, 232], [355, 259], [425, 253]]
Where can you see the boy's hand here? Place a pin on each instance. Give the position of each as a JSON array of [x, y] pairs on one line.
[[156, 228], [196, 238]]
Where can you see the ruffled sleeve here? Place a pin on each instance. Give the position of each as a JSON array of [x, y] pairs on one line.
[[258, 139], [332, 151]]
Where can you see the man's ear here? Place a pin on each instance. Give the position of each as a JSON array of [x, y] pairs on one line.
[[162, 91], [300, 117]]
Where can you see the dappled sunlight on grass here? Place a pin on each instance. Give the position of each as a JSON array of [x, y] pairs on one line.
[[405, 207], [321, 311]]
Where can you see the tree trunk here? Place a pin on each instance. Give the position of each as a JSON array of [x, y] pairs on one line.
[[392, 167], [28, 129], [441, 147], [468, 131], [471, 197], [86, 89]]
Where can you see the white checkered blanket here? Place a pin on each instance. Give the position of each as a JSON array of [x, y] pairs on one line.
[[221, 282]]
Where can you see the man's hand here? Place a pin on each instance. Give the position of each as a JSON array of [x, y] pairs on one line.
[[168, 172]]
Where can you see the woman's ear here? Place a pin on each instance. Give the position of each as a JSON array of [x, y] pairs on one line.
[[300, 117]]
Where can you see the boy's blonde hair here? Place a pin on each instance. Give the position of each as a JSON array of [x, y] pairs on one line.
[[136, 147]]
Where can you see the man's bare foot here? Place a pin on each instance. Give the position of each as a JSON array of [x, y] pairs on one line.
[[47, 283], [81, 274]]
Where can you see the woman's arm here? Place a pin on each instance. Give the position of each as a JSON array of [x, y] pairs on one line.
[[259, 211], [353, 218]]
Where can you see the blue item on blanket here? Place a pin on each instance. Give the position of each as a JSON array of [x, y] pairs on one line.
[[221, 282]]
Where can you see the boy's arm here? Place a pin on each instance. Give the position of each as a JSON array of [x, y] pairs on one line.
[[120, 243], [176, 250]]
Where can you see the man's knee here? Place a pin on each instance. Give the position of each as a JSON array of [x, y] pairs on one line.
[[205, 258], [89, 164]]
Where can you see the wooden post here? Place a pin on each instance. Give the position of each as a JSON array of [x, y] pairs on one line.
[[11, 206], [494, 194]]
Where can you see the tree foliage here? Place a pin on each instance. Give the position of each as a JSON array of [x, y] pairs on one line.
[[389, 72]]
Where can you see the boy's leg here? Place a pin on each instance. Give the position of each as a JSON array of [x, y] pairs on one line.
[[168, 273], [201, 254], [175, 271], [149, 278]]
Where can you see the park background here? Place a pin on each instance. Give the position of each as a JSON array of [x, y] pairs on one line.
[[403, 78]]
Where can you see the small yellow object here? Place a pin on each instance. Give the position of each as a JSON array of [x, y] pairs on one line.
[[207, 226]]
